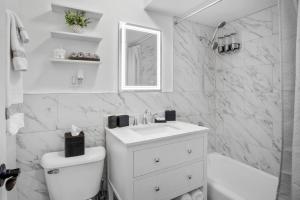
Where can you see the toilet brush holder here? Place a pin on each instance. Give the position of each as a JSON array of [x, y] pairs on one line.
[[74, 145]]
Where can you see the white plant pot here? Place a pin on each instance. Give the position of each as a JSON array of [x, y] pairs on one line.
[[76, 29]]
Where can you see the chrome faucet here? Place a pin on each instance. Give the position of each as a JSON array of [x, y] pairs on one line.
[[145, 117]]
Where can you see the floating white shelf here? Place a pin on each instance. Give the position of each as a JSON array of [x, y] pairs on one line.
[[69, 61], [61, 8], [75, 36]]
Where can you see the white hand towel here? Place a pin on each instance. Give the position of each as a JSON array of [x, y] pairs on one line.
[[14, 79], [197, 195], [16, 44], [185, 197], [23, 33]]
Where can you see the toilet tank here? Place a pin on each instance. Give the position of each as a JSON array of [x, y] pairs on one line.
[[74, 178]]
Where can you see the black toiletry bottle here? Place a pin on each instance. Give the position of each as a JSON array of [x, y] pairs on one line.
[[112, 121], [170, 115], [123, 120]]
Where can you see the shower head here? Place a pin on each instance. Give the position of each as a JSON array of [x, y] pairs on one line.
[[221, 25], [214, 45]]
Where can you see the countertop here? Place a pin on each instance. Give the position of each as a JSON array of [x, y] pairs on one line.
[[129, 136]]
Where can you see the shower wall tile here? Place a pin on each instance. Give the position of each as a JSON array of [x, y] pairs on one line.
[[254, 26], [193, 57], [248, 97], [261, 51]]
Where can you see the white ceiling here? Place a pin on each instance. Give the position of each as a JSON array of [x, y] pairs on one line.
[[226, 10]]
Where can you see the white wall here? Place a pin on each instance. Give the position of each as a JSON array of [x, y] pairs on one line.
[[44, 76]]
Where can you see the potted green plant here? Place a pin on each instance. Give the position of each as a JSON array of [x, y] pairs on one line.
[[76, 20]]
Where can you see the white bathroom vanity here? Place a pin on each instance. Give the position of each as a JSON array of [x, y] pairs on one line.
[[156, 161]]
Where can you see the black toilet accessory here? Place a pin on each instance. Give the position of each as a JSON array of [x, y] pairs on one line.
[[8, 175]]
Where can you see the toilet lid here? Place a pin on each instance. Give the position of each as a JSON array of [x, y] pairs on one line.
[[58, 159]]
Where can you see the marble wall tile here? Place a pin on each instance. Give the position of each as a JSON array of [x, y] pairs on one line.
[[80, 110], [229, 77], [262, 51], [257, 25], [40, 113], [32, 186], [193, 57]]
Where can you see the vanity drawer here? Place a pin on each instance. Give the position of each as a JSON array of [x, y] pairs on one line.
[[164, 185], [153, 159]]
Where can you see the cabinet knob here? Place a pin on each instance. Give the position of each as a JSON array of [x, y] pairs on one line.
[[156, 160], [189, 151], [190, 177], [156, 189]]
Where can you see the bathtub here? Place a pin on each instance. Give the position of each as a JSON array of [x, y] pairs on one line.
[[229, 179]]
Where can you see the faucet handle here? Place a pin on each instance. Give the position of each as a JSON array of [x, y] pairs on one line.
[[135, 121]]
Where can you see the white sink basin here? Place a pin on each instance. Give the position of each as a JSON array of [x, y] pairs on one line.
[[155, 129], [135, 135]]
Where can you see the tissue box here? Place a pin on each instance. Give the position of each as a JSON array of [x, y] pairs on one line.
[[74, 145]]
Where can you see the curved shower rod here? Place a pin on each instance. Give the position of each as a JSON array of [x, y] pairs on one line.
[[196, 12]]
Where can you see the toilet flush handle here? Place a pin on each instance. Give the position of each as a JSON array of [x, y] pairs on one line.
[[53, 171]]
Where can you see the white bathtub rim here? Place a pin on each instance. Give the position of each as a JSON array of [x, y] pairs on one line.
[[244, 165], [220, 188]]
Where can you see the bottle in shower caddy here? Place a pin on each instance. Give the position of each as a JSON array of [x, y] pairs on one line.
[[227, 43], [221, 46], [235, 45]]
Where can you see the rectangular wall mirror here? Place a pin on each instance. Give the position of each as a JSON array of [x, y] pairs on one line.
[[140, 58]]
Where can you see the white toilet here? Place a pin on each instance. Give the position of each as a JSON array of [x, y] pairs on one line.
[[74, 178]]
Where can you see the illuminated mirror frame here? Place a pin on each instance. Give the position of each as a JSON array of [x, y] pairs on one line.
[[123, 27]]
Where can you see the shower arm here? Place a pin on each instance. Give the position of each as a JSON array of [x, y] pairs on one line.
[[196, 12], [214, 36]]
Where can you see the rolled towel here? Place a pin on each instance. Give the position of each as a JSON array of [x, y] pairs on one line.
[[186, 196], [197, 195]]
